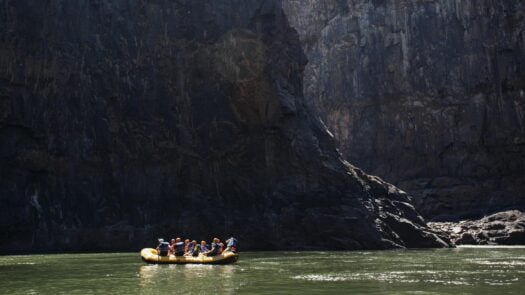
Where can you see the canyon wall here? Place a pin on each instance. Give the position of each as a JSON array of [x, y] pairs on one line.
[[125, 121], [429, 95]]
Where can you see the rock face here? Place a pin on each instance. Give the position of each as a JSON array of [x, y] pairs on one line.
[[123, 121], [429, 95], [503, 228]]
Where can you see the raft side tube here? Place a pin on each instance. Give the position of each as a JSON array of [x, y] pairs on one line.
[[150, 255]]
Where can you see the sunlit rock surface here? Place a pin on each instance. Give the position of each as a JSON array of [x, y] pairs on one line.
[[125, 121], [503, 228], [429, 95]]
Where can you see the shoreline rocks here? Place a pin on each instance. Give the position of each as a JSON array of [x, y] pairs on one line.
[[502, 228]]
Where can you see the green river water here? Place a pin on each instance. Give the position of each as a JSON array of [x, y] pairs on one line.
[[443, 271]]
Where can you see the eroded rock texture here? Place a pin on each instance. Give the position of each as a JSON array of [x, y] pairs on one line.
[[429, 95], [123, 121], [502, 228]]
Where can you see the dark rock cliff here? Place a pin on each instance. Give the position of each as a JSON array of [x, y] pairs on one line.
[[123, 121], [429, 95]]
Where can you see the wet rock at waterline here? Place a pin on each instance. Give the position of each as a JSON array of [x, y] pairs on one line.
[[121, 122], [503, 228]]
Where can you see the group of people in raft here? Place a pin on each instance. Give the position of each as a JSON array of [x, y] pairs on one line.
[[179, 248]]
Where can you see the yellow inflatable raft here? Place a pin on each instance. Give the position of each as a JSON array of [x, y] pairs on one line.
[[150, 255]]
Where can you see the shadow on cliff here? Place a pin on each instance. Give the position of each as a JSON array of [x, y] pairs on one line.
[[121, 123]]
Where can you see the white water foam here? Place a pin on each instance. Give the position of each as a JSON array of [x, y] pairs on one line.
[[388, 277]]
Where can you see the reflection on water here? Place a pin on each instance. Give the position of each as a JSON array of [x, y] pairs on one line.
[[190, 276], [445, 271]]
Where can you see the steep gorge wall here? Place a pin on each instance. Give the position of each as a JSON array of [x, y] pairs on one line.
[[429, 95], [123, 121]]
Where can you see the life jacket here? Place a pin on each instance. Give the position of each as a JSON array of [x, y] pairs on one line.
[[179, 247], [232, 242], [196, 249], [189, 247], [164, 246], [214, 249]]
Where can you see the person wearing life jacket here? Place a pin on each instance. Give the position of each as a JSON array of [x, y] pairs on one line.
[[203, 248], [214, 251], [231, 245], [172, 247], [195, 249], [221, 247], [163, 247], [179, 247], [186, 246]]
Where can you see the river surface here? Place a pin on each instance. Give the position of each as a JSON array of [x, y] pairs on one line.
[[443, 271]]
